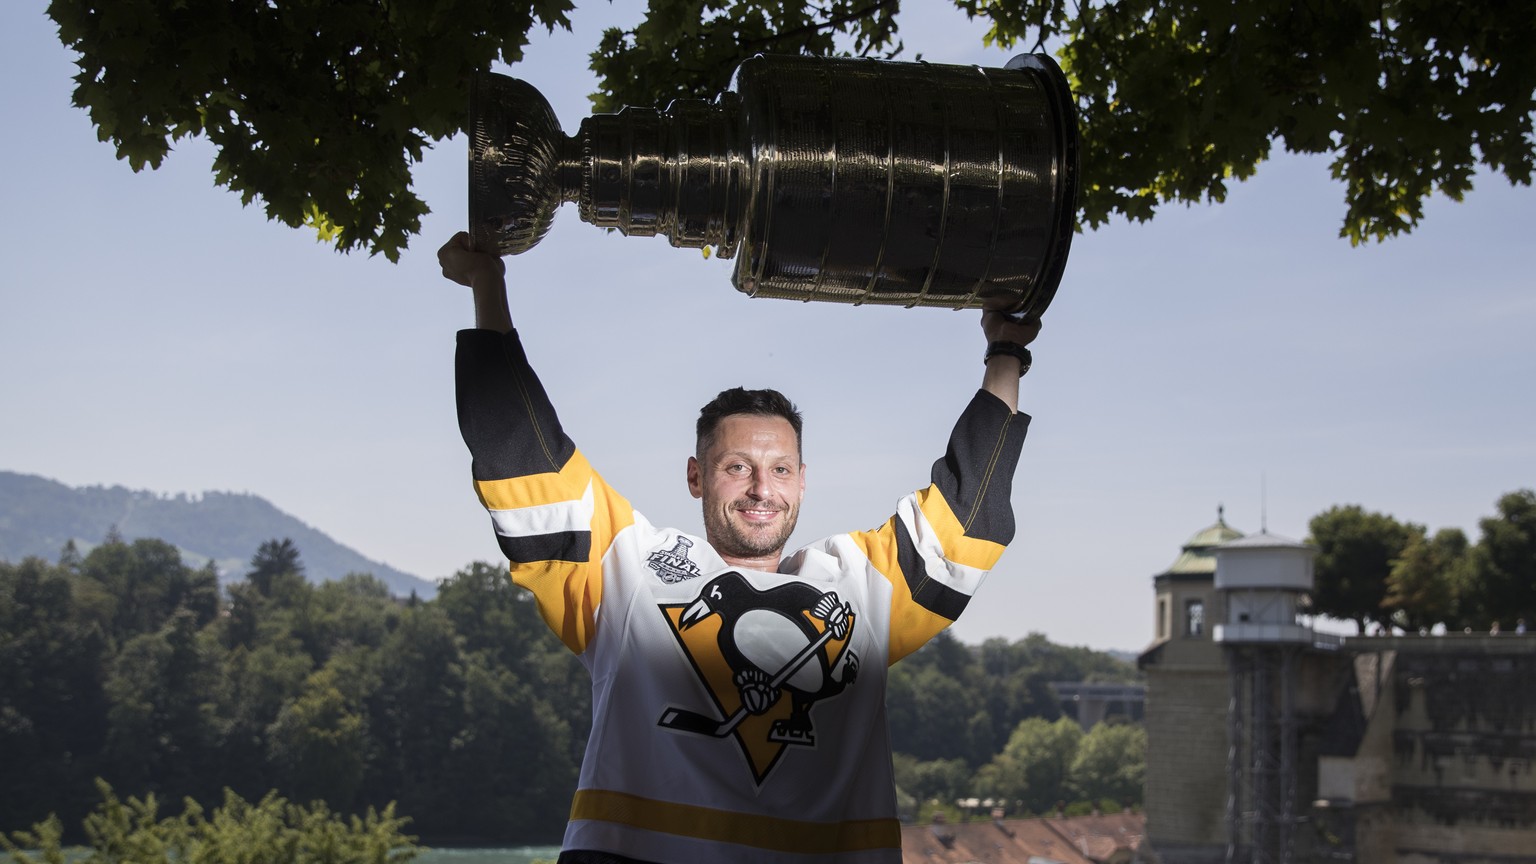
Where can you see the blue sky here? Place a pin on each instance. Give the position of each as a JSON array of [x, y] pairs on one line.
[[157, 335]]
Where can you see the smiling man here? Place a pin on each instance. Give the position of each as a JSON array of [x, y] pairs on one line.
[[738, 694], [748, 472]]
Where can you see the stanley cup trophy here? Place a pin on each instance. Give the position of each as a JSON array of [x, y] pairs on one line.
[[854, 181]]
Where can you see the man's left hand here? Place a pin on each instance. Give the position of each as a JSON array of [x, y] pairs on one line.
[[1002, 327]]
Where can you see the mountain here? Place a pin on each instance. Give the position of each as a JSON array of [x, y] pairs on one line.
[[38, 516]]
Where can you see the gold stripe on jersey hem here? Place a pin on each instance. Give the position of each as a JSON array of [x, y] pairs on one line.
[[724, 826]]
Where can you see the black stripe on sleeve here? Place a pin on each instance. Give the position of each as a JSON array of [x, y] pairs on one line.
[[504, 414], [575, 546], [976, 474], [931, 594]]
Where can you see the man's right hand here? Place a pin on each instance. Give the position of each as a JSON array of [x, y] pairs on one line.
[[467, 267], [483, 273]]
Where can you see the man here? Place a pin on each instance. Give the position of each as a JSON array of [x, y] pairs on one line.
[[738, 695]]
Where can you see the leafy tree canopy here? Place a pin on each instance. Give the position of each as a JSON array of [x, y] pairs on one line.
[[1111, 762], [317, 107], [1426, 580], [1370, 567], [1035, 766], [1356, 550], [321, 107], [238, 830], [1504, 568]]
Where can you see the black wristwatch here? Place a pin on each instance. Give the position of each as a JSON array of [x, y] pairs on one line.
[[1012, 349]]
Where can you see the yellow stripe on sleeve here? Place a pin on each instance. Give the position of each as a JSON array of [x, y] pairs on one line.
[[967, 551], [532, 490], [912, 624], [568, 593]]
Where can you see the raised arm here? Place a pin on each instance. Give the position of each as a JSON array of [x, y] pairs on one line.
[[1006, 343], [485, 275], [941, 542], [554, 517]]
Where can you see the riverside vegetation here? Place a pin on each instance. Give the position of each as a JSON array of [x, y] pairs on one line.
[[461, 714]]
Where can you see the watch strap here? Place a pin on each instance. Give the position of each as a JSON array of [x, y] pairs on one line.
[[1012, 349]]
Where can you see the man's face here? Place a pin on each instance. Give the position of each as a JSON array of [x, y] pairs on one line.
[[751, 482]]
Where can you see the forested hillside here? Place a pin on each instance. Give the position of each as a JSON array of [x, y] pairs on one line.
[[128, 665], [38, 516]]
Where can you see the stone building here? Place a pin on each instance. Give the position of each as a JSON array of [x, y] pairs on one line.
[[1271, 744], [1430, 754], [1186, 708]]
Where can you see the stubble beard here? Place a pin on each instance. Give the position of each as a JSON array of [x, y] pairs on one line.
[[731, 537]]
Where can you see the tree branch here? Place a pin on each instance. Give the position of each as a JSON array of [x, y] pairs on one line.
[[832, 23]]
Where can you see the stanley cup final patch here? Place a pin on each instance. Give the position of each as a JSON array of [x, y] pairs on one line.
[[673, 565], [766, 658]]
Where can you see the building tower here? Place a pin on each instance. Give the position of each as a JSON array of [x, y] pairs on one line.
[[1260, 581], [1186, 707]]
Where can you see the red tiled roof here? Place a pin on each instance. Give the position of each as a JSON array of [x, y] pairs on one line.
[[1080, 840], [1100, 836]]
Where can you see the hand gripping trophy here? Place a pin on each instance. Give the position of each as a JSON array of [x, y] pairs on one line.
[[832, 179]]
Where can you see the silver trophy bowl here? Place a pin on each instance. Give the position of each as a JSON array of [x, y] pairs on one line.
[[834, 179]]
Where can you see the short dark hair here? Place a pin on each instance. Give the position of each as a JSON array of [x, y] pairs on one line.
[[739, 400]]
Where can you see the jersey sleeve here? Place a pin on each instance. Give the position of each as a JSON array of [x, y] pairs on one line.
[[943, 539], [553, 515]]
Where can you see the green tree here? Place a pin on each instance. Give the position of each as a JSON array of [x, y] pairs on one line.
[[317, 108], [493, 615], [414, 714], [321, 109], [941, 780], [1355, 554], [1111, 762], [1035, 765], [1408, 98], [500, 621], [164, 731], [271, 829], [509, 768], [932, 695], [1423, 586], [142, 584], [69, 557], [319, 743], [258, 681], [688, 48], [356, 610], [275, 568], [52, 705], [953, 701], [1503, 580]]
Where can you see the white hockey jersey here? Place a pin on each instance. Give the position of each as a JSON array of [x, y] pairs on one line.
[[737, 715]]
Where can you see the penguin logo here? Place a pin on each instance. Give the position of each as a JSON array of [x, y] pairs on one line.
[[766, 658], [673, 565]]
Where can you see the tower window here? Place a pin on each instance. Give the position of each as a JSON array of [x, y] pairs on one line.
[[1194, 618]]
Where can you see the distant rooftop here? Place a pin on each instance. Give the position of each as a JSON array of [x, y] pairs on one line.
[[1262, 540], [1198, 556], [1060, 840]]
